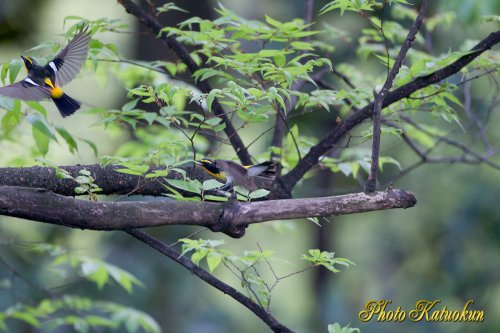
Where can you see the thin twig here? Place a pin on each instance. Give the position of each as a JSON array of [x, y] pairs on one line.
[[456, 144], [134, 63], [379, 98]]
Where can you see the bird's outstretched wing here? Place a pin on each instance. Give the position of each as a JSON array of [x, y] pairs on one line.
[[238, 174], [69, 61], [25, 90], [264, 170]]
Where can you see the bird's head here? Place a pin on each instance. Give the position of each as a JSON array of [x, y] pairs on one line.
[[28, 62], [209, 166]]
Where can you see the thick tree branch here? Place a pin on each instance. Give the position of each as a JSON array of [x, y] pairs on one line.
[[106, 177], [230, 217], [155, 26], [336, 134], [380, 97], [167, 251]]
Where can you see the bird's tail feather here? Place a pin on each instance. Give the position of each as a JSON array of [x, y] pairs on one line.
[[66, 105]]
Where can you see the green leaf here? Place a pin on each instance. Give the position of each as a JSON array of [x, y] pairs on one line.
[[98, 321], [388, 160], [38, 107], [130, 172], [9, 121], [91, 145], [41, 141], [388, 62], [211, 184], [336, 328], [326, 259], [260, 193], [3, 325], [269, 53], [150, 117], [85, 172], [73, 146], [302, 45], [26, 317], [158, 173], [213, 260], [280, 60], [215, 198], [15, 67], [346, 168], [213, 121], [99, 272], [95, 272], [133, 169], [41, 125], [80, 190], [193, 186], [5, 70], [349, 5], [273, 22], [314, 220], [198, 256], [210, 98], [123, 278], [130, 105]]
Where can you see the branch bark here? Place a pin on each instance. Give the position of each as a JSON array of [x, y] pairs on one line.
[[336, 134], [106, 177], [155, 26], [230, 217], [167, 251], [379, 98]]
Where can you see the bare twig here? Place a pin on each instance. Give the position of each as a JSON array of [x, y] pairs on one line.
[[379, 98], [468, 155], [477, 158], [135, 63]]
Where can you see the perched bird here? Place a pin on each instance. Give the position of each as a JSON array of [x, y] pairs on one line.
[[233, 173], [45, 82]]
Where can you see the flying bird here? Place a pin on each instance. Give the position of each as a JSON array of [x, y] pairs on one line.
[[46, 82]]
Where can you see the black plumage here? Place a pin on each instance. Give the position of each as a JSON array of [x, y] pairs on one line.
[[45, 82]]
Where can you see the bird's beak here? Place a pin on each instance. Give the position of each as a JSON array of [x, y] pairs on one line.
[[27, 61], [198, 163]]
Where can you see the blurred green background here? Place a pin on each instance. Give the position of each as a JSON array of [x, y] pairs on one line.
[[447, 247]]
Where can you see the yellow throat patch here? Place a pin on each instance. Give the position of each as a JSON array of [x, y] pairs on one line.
[[220, 175]]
